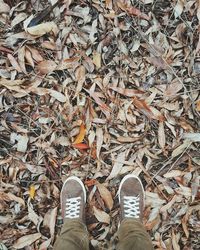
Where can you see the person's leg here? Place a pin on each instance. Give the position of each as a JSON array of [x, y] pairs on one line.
[[74, 235], [132, 234]]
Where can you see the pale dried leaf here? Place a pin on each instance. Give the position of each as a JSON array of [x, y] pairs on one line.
[[22, 143], [161, 135], [42, 29], [26, 240], [118, 164], [180, 149], [101, 215], [4, 7], [179, 8], [195, 137], [57, 95]]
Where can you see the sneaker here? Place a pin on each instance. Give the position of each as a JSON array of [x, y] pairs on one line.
[[131, 197], [73, 199]]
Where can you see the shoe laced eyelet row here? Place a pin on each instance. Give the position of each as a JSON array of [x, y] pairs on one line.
[[132, 207], [73, 208]]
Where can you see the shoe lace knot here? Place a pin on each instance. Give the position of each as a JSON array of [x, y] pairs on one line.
[[132, 206], [73, 208]]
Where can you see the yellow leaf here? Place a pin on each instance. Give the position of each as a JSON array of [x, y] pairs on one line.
[[81, 134], [32, 191]]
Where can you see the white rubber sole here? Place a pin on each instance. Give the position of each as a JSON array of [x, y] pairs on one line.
[[79, 181], [127, 177]]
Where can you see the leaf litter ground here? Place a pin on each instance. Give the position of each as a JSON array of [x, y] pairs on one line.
[[99, 89]]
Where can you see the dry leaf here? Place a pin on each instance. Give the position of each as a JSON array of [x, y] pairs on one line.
[[175, 241], [161, 135], [22, 143], [99, 135], [21, 59], [81, 135], [198, 11], [32, 191], [158, 62], [57, 95], [97, 60], [118, 164], [4, 7], [179, 8], [145, 109], [26, 240], [195, 137], [101, 215], [81, 146], [106, 195], [50, 221], [80, 78], [42, 29], [177, 151], [127, 92], [198, 105], [46, 67], [132, 10], [14, 63]]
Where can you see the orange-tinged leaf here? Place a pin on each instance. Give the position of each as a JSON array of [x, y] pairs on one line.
[[32, 191], [81, 135], [81, 146], [143, 107], [90, 183]]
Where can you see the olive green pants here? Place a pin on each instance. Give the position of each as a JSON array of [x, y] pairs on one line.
[[132, 236]]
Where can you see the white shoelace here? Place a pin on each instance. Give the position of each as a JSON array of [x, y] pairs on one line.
[[132, 207], [73, 208]]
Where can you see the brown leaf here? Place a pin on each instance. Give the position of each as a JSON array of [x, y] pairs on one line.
[[80, 78], [127, 92], [14, 63], [132, 10], [106, 195], [46, 66], [146, 110], [158, 62], [21, 59]]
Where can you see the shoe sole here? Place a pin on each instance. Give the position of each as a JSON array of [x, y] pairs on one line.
[[127, 177], [79, 181]]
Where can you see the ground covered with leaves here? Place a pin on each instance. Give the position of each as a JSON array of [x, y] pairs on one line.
[[99, 89]]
